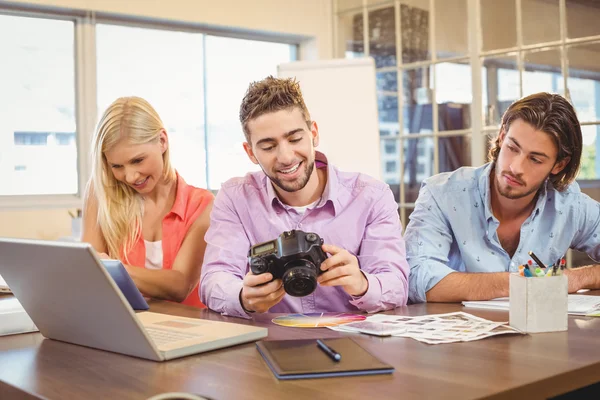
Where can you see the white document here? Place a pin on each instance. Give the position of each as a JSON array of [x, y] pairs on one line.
[[579, 304], [430, 329], [14, 319]]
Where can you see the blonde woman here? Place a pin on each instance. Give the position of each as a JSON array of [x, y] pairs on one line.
[[139, 210]]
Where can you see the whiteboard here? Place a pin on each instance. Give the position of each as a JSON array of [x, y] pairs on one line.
[[341, 98]]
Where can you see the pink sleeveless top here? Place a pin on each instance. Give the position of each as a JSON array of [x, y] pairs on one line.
[[189, 204]]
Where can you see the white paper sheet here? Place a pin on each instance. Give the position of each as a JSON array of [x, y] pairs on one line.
[[432, 329], [579, 304]]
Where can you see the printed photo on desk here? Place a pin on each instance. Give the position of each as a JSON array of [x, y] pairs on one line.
[[430, 329]]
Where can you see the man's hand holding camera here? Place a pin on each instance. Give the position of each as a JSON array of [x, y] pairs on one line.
[[342, 269], [295, 263], [259, 293]]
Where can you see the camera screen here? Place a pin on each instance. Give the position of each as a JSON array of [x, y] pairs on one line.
[[263, 248]]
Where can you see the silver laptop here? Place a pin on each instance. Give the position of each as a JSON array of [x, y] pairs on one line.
[[70, 297]]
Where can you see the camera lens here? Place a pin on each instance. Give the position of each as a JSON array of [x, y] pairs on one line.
[[301, 279]]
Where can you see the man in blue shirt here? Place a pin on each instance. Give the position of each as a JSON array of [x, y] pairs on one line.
[[470, 228]]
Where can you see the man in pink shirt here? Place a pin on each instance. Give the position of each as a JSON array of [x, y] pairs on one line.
[[298, 189]]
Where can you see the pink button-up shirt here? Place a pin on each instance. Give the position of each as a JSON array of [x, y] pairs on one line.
[[355, 212]]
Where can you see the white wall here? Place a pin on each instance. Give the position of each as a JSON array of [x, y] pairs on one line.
[[310, 18]]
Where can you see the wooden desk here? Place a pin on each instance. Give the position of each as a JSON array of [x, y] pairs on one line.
[[528, 366]]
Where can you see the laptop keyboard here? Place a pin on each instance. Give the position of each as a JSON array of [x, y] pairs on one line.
[[161, 336]]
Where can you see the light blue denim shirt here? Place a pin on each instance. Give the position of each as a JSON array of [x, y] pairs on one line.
[[452, 228]]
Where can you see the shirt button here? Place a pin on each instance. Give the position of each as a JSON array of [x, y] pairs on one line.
[[299, 226]]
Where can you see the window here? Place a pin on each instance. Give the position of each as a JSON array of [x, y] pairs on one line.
[[37, 80], [445, 118], [424, 84], [195, 83], [226, 84], [59, 73], [166, 69], [390, 147], [390, 166]]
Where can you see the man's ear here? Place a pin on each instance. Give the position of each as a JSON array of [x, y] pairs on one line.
[[314, 132], [248, 150], [502, 134], [559, 166]]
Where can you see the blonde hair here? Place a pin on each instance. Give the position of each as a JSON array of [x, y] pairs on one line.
[[120, 208]]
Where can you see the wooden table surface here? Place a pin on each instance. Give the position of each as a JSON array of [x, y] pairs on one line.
[[507, 366]]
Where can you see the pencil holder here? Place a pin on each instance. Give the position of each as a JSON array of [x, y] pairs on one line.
[[538, 304]]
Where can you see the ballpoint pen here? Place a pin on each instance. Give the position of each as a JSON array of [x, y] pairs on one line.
[[334, 355], [537, 260]]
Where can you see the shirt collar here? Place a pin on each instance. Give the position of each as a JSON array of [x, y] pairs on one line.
[[330, 192], [485, 190]]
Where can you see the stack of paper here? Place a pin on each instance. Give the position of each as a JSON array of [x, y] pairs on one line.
[[430, 329], [579, 304], [14, 319]]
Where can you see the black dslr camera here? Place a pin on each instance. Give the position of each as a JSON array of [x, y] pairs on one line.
[[295, 257]]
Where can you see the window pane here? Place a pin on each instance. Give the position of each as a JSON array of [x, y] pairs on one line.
[[584, 81], [38, 152], [542, 72], [454, 152], [418, 165], [451, 28], [351, 42], [590, 162], [387, 103], [414, 28], [582, 18], [390, 161], [454, 95], [390, 165], [541, 21], [165, 68], [500, 87], [226, 84], [382, 36], [417, 101], [498, 24]]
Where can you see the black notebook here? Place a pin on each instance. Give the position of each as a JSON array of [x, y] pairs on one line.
[[301, 359]]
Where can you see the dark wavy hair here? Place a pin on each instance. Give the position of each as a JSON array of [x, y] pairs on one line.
[[554, 115], [271, 95]]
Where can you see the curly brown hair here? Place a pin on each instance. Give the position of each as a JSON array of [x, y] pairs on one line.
[[554, 115], [271, 95]]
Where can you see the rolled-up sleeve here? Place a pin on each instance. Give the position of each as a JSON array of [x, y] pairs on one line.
[[225, 259], [382, 258], [428, 242]]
